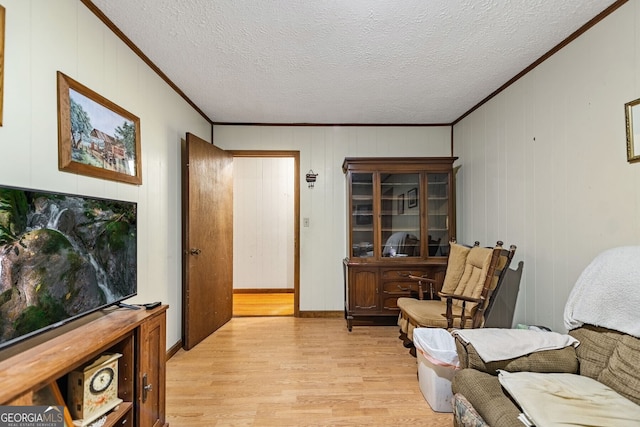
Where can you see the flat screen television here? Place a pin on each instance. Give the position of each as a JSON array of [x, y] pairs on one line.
[[62, 256]]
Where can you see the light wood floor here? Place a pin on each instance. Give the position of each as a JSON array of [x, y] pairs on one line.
[[287, 371], [266, 304]]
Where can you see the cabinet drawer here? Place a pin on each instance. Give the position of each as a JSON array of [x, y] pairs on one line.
[[400, 288], [390, 303], [402, 273]]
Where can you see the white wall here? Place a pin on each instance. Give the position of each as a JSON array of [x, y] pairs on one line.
[[263, 213], [543, 164], [323, 149], [43, 37]]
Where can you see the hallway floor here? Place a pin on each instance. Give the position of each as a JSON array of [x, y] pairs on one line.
[[266, 304]]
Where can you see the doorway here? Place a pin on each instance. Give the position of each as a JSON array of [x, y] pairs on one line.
[[266, 233]]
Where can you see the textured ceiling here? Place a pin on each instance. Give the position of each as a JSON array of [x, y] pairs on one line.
[[344, 61]]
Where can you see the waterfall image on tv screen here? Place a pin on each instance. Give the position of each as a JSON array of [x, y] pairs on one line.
[[61, 256]]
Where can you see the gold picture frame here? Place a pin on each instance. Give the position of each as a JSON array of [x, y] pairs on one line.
[[632, 119], [96, 137]]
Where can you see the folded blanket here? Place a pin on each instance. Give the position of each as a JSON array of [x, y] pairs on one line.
[[568, 400], [606, 293], [501, 344]]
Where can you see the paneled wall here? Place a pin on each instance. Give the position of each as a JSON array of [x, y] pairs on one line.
[[323, 149], [543, 165], [43, 37], [263, 234]]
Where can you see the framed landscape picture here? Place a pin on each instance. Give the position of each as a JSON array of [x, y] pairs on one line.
[[95, 136]]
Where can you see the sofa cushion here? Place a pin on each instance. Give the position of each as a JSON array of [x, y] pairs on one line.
[[595, 349], [604, 355], [560, 360], [485, 394], [621, 373]]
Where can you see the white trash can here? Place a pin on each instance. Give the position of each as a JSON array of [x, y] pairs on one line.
[[437, 360]]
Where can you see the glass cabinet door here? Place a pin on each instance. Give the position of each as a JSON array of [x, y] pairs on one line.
[[362, 214], [399, 214], [438, 213]]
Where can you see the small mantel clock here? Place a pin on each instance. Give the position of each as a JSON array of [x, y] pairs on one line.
[[93, 389]]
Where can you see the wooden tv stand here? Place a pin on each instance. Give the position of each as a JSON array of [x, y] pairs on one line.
[[139, 335]]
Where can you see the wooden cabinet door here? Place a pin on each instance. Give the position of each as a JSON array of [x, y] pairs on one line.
[[151, 375], [363, 290]]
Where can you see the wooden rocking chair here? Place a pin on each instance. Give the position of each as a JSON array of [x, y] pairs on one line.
[[472, 278]]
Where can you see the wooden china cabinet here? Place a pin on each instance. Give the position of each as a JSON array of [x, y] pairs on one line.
[[401, 216]]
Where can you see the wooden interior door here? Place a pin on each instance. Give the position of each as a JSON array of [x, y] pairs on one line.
[[207, 299]]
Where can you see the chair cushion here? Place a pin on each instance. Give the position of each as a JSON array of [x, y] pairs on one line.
[[429, 313], [455, 267], [475, 273]]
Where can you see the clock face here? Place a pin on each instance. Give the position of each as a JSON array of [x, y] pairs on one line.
[[101, 380]]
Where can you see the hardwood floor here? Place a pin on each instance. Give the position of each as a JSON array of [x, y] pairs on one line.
[[263, 304], [287, 371]]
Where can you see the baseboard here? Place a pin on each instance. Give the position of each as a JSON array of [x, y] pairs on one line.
[[264, 291], [321, 314], [174, 349]]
